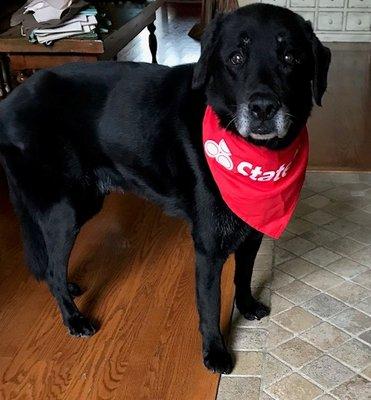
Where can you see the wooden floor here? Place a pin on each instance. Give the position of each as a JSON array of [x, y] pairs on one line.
[[137, 266]]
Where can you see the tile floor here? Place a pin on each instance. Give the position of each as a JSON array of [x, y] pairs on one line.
[[317, 279]]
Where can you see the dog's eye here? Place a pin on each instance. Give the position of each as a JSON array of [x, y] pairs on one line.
[[237, 58], [291, 59]]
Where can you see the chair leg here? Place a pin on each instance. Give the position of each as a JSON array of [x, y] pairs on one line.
[[152, 41]]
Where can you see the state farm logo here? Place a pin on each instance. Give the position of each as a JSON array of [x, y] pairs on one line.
[[223, 156], [220, 152]]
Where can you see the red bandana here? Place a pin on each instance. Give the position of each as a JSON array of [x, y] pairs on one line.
[[261, 186]]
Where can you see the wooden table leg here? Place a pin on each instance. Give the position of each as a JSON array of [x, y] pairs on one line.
[[152, 41], [5, 80]]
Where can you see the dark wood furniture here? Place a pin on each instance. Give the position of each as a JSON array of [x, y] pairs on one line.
[[19, 58]]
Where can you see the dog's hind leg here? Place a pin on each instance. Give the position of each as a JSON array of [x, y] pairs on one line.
[[49, 236], [60, 228]]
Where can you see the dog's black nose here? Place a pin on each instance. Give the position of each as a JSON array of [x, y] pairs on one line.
[[263, 106]]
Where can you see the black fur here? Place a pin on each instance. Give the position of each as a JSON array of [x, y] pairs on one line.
[[71, 134]]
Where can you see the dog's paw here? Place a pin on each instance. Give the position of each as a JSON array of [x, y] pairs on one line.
[[80, 326], [218, 360], [256, 310], [74, 289]]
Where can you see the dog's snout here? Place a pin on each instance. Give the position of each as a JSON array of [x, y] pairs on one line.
[[263, 106]]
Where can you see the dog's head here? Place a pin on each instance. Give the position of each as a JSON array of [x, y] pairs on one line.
[[261, 66]]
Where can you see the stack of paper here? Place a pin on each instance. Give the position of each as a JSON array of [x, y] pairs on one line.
[[84, 23]]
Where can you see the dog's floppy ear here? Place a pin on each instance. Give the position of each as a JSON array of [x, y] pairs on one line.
[[322, 59], [208, 45]]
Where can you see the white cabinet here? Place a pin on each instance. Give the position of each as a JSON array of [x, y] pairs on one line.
[[358, 21], [332, 20]]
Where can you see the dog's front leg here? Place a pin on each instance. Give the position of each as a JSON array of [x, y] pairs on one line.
[[208, 273], [245, 256]]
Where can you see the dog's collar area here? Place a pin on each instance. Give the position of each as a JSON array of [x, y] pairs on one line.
[[260, 185]]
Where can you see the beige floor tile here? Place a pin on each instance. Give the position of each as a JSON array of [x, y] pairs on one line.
[[296, 319], [327, 372], [346, 268], [363, 279], [297, 245], [285, 236], [341, 226], [367, 372], [359, 217], [354, 353], [294, 387], [319, 217], [248, 338], [296, 352], [325, 336], [356, 186], [362, 235], [364, 305], [277, 335], [357, 388], [238, 388], [339, 208], [266, 248], [298, 267], [303, 209], [321, 256], [358, 202], [344, 246], [338, 193], [324, 306], [247, 363], [318, 182], [306, 192], [297, 292], [322, 279], [320, 235], [279, 304], [366, 336], [281, 255], [326, 397], [261, 277], [317, 201], [280, 279], [263, 261], [349, 292], [363, 256], [352, 321], [273, 370], [265, 396], [299, 226]]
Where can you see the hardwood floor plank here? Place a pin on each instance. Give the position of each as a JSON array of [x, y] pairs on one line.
[[137, 266]]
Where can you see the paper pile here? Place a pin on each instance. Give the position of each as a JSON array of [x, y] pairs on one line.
[[45, 21]]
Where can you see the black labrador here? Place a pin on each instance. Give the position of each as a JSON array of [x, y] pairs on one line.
[[72, 134]]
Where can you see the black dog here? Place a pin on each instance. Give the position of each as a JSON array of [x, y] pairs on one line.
[[71, 134]]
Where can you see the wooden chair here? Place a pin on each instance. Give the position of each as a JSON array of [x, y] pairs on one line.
[[19, 58]]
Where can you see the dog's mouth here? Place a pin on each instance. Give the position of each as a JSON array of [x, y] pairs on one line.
[[263, 136], [250, 128]]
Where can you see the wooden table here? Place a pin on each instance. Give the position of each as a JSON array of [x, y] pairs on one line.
[[19, 58]]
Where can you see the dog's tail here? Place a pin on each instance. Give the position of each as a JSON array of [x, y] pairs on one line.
[[35, 250]]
